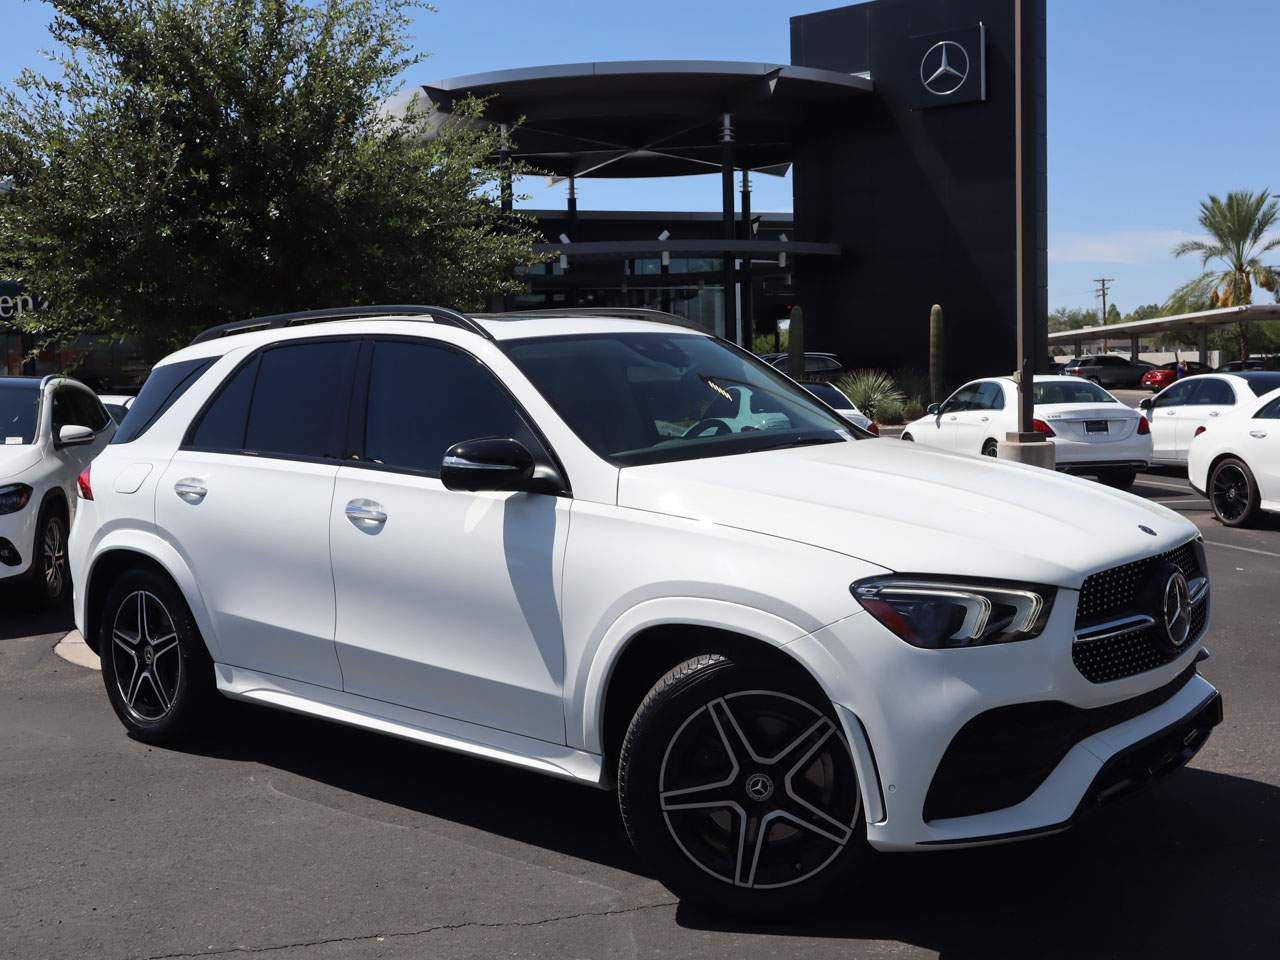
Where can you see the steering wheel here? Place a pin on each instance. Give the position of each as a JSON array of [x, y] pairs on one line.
[[720, 426]]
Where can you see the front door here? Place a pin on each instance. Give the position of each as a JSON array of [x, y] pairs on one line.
[[1213, 398], [448, 602], [247, 498]]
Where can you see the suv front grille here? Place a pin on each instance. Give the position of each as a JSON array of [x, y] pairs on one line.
[[1114, 595]]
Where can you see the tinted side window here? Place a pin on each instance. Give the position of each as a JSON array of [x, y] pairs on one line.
[[162, 389], [962, 399], [1270, 412], [425, 398], [1215, 392], [221, 426], [1176, 395], [300, 400], [990, 397]]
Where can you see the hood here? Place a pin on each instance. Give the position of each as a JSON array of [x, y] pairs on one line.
[[915, 509], [17, 458]]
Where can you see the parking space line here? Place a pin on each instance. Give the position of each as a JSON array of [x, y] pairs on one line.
[[1232, 546]]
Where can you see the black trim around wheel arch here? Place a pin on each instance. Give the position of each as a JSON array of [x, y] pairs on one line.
[[1184, 737]]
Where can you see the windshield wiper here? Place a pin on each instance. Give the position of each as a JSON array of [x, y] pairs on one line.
[[811, 440]]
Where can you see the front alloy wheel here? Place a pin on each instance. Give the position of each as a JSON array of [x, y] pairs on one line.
[[53, 558], [738, 790]]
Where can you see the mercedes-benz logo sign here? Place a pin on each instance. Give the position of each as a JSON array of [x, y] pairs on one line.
[[1177, 609], [759, 787], [945, 68]]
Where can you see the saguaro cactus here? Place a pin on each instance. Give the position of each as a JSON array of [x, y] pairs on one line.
[[795, 344], [937, 347]]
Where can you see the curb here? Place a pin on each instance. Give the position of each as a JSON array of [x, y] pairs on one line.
[[73, 649]]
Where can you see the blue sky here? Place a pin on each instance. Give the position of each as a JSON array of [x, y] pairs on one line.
[[1152, 105]]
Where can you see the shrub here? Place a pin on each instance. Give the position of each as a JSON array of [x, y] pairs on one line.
[[914, 409], [870, 390], [891, 413]]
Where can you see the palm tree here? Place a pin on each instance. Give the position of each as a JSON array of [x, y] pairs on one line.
[[1237, 229]]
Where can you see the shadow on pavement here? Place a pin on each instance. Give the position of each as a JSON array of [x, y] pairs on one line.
[[22, 616], [1188, 868]]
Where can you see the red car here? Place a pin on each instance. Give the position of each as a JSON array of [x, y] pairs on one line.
[[1163, 375]]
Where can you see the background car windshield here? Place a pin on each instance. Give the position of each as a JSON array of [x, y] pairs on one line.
[[1071, 392], [638, 398], [19, 409], [829, 395]]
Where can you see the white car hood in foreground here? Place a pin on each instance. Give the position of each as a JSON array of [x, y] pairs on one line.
[[913, 509], [17, 458]]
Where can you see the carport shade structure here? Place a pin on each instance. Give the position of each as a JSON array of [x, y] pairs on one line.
[[1199, 323], [665, 118]]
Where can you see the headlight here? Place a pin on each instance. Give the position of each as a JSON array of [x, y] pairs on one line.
[[938, 613], [14, 497]]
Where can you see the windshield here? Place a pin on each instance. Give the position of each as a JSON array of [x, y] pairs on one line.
[[829, 395], [19, 410], [1064, 391], [638, 398]]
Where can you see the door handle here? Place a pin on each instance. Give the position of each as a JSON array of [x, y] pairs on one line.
[[366, 515], [984, 419], [1257, 434], [1214, 413], [192, 490]]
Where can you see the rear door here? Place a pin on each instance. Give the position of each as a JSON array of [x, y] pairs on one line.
[[448, 601], [1167, 409], [247, 498], [1213, 397], [1263, 448], [974, 425]]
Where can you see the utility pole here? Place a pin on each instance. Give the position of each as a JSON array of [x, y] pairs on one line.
[[1102, 283]]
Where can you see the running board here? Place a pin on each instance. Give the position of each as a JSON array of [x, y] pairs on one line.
[[409, 724]]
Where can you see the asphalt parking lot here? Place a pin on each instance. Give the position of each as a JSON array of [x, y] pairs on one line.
[[293, 838]]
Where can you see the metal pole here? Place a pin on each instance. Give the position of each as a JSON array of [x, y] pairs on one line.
[[1204, 344], [726, 181], [748, 290], [1024, 79], [573, 232]]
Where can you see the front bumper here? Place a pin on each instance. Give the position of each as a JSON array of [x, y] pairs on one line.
[[18, 530], [903, 707]]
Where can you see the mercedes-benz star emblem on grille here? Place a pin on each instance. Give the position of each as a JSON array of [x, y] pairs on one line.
[[1177, 609], [945, 68], [1145, 529]]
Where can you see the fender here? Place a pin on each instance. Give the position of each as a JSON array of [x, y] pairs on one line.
[[162, 552], [585, 696]]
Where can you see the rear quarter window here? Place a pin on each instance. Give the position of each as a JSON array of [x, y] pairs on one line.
[[163, 388]]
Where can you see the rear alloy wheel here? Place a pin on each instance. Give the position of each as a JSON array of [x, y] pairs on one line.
[[158, 674], [989, 448], [1119, 477], [1234, 493], [739, 791], [1096, 381]]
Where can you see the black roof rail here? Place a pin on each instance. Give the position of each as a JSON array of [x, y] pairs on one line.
[[617, 313], [444, 315]]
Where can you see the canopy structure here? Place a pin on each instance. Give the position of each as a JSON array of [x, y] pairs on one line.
[[650, 118], [1199, 323], [659, 118]]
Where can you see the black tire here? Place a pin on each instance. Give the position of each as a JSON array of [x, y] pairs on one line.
[[990, 448], [1233, 492], [746, 827], [1122, 478], [1095, 380], [50, 574], [909, 438], [146, 631]]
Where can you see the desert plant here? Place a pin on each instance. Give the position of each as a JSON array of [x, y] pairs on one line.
[[870, 390], [914, 409], [891, 412]]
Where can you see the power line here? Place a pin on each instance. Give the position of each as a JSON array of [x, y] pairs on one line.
[[1102, 292]]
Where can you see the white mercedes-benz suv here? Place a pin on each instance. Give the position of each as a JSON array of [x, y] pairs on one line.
[[533, 538], [50, 428]]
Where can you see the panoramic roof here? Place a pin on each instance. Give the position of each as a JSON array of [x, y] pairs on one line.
[[651, 118]]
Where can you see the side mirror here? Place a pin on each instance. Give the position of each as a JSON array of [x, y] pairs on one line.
[[1146, 404], [934, 409], [75, 436], [496, 463]]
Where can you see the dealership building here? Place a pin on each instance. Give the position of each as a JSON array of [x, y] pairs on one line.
[[896, 119]]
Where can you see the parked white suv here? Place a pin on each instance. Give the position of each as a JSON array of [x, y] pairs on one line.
[[778, 643], [50, 428]]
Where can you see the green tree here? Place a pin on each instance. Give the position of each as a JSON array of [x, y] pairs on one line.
[[194, 161], [1113, 314], [1071, 318], [1237, 229]]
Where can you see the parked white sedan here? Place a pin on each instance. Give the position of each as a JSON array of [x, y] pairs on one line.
[[1185, 406], [1092, 432], [1235, 461]]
